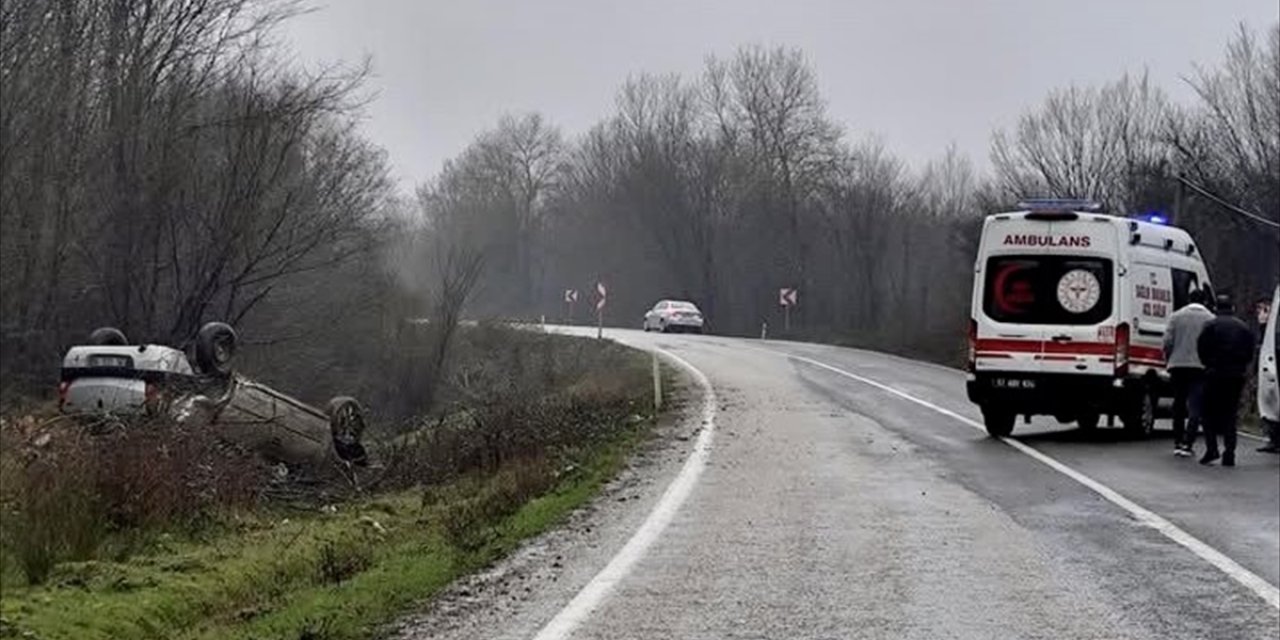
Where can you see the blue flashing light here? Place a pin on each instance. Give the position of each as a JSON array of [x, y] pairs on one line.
[[1154, 217], [1059, 204]]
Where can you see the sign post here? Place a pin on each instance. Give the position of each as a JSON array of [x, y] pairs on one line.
[[570, 297], [657, 384], [787, 297], [604, 296]]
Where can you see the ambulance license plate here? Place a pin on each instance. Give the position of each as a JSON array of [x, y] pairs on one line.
[[1013, 383]]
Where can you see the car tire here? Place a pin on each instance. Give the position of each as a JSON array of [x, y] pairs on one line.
[[215, 348], [346, 426], [999, 422], [1088, 421], [108, 337], [1139, 418]]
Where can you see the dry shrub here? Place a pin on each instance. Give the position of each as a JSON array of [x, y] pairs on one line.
[[473, 506], [516, 395], [505, 429], [70, 494], [342, 558]]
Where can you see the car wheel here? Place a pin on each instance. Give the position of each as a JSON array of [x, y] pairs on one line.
[[215, 346], [1140, 417], [999, 422], [1087, 421], [108, 337], [346, 424]]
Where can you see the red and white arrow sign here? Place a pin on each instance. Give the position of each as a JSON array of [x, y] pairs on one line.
[[787, 297], [570, 295], [604, 295]]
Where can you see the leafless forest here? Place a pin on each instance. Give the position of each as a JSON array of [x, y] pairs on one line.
[[725, 187], [163, 164]]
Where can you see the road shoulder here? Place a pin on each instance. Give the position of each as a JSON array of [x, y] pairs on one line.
[[519, 594]]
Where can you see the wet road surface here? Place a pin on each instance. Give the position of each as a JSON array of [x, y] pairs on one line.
[[847, 494]]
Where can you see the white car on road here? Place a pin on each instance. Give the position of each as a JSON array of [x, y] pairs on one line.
[[672, 316]]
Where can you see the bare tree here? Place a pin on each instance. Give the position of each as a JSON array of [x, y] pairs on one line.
[[499, 190], [1086, 143], [1233, 139], [1229, 143], [161, 165], [772, 98]]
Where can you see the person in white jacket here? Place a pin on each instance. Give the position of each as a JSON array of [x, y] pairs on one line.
[[1183, 362]]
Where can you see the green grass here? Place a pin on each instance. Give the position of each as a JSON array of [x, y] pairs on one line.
[[290, 576], [1252, 424]]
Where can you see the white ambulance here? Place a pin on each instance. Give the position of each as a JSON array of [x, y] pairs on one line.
[[1069, 313]]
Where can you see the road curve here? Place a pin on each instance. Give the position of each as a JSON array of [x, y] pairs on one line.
[[847, 495]]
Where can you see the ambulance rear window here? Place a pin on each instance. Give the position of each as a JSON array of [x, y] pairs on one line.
[[1041, 289]]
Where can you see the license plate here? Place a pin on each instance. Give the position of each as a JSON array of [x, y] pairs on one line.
[[1013, 383], [111, 362]]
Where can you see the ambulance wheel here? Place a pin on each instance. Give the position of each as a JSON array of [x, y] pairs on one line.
[[999, 422], [1140, 417], [1087, 421]]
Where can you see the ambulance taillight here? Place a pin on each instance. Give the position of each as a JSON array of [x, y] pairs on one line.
[[973, 345], [1122, 350]]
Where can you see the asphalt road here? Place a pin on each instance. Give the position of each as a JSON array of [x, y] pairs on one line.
[[845, 494]]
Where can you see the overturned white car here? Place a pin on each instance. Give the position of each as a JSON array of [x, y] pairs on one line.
[[110, 378]]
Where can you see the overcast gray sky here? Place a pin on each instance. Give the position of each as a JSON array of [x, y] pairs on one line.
[[919, 74]]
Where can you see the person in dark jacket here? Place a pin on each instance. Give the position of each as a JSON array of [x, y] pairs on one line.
[[1225, 347]]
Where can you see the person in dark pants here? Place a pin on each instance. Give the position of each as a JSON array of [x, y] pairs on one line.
[[1226, 349], [1182, 358]]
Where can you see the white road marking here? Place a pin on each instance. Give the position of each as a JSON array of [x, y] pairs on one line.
[[594, 593], [1250, 580], [1246, 434]]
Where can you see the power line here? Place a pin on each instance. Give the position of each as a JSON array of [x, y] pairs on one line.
[[1227, 205]]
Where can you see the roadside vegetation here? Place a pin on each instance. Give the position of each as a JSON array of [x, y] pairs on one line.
[[151, 532], [167, 163]]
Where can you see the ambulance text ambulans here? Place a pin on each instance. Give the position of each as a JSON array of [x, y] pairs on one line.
[[1069, 312]]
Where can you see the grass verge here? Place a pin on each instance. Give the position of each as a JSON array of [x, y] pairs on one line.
[[329, 575]]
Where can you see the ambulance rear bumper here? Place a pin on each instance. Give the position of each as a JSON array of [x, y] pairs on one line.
[[1050, 394]]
